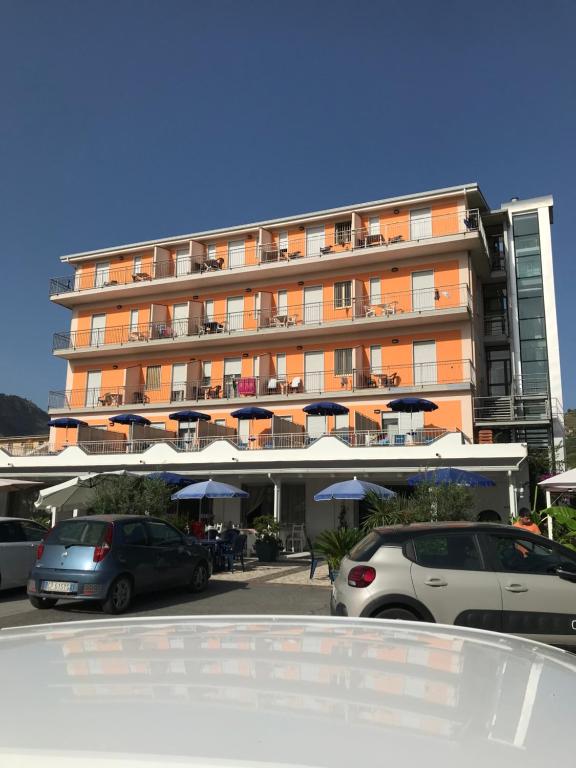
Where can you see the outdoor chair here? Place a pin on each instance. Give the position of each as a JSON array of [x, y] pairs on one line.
[[315, 558], [236, 551]]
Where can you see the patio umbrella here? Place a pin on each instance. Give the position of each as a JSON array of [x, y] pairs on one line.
[[451, 475], [325, 408], [189, 416], [66, 422], [7, 484], [351, 490], [209, 489], [76, 492], [411, 405], [252, 413], [131, 419], [171, 478]]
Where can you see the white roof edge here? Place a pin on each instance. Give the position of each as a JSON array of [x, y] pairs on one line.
[[529, 202], [445, 191]]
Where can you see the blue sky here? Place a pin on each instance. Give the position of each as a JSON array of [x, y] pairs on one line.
[[136, 119]]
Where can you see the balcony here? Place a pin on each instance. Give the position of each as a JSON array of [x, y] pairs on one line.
[[385, 381], [496, 326], [269, 253], [509, 410], [396, 309]]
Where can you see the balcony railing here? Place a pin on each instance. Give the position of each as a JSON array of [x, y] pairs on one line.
[[267, 441], [496, 325], [342, 309], [510, 409], [422, 377], [252, 254]]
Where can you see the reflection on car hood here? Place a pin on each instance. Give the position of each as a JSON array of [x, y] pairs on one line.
[[325, 692]]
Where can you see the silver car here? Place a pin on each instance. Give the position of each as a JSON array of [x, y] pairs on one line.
[[19, 539], [479, 575]]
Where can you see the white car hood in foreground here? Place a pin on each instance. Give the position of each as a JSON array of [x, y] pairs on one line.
[[239, 691]]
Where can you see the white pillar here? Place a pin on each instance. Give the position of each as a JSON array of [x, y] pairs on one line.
[[74, 513], [277, 501], [548, 517], [53, 514], [512, 496]]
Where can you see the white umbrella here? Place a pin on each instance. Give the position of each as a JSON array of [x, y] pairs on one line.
[[74, 493], [7, 484]]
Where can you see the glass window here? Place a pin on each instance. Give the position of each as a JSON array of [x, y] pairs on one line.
[[456, 551], [516, 554], [33, 531], [525, 224], [527, 246], [343, 294], [281, 365], [375, 293], [134, 534], [535, 349], [206, 372], [529, 266], [153, 376], [162, 533], [533, 307], [364, 550], [535, 371], [529, 287], [343, 232], [78, 533], [10, 532], [534, 328], [342, 361]]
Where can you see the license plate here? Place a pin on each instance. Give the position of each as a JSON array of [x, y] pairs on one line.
[[59, 586]]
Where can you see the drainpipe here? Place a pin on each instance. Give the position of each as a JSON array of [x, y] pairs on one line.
[[277, 497]]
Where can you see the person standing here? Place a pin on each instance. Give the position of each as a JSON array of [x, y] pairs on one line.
[[526, 523]]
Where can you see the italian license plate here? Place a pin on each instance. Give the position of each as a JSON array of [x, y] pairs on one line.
[[59, 586]]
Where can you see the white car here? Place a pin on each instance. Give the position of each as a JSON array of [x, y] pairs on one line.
[[280, 692], [19, 539]]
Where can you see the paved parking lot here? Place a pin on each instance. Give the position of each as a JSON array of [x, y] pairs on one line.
[[262, 589]]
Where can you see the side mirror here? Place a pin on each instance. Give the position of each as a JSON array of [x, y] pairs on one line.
[[566, 573], [190, 540]]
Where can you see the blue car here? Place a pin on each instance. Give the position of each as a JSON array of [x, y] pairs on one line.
[[110, 558]]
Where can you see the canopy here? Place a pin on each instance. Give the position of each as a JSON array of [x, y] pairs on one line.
[[565, 481], [67, 422], [353, 489], [210, 489], [252, 412], [7, 484], [189, 416], [451, 475], [171, 478], [411, 405], [76, 492], [129, 418], [325, 408]]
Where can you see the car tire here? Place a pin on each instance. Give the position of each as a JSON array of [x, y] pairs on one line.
[[399, 614], [119, 596], [42, 603], [200, 577]]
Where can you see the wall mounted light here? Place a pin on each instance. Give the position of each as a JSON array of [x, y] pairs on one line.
[[396, 211], [377, 410], [299, 348], [394, 269], [194, 298], [115, 367], [121, 258], [395, 341], [248, 290], [118, 306], [244, 354], [300, 282], [301, 228], [192, 359]]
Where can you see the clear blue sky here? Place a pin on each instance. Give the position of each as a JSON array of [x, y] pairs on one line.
[[124, 120]]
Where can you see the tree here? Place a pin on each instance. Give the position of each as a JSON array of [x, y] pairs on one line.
[[428, 503], [130, 495]]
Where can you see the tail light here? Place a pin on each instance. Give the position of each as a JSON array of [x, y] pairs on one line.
[[40, 550], [101, 551], [361, 576]]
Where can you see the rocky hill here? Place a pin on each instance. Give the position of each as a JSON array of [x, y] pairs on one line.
[[21, 417]]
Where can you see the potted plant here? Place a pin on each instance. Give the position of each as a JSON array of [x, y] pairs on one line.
[[335, 545], [268, 542]]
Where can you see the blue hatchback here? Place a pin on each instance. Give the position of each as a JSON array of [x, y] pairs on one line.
[[110, 558]]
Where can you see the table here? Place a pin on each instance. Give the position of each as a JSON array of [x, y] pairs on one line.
[[139, 276], [137, 336], [212, 326], [283, 320], [388, 307]]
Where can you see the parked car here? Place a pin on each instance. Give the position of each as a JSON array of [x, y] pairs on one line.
[[19, 539], [480, 575], [110, 558], [281, 691]]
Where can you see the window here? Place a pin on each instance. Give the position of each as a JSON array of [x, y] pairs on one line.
[[374, 225], [78, 533], [206, 373], [499, 371], [516, 554], [375, 292], [376, 359], [133, 320], [134, 534], [282, 302], [286, 418], [32, 531], [343, 361], [209, 309], [137, 265], [281, 365], [153, 376], [454, 551], [211, 251], [343, 294], [101, 274], [162, 534], [343, 232], [10, 532], [283, 241], [220, 422]]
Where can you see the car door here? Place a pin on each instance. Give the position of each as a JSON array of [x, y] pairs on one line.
[[449, 577], [14, 555], [536, 602], [136, 555], [171, 556]]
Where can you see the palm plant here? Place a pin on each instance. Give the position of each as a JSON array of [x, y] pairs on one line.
[[335, 545]]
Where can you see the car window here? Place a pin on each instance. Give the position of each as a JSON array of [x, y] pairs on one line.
[[457, 551], [10, 531], [365, 548], [33, 531], [134, 533], [78, 533], [161, 533], [516, 554]]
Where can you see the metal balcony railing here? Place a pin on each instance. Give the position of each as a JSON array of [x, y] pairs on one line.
[[267, 441], [343, 308], [496, 325], [510, 409], [421, 377], [248, 253]]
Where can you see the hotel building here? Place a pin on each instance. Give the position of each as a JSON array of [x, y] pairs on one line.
[[432, 295]]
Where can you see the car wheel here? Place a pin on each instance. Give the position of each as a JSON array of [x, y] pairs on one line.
[[401, 614], [43, 603], [199, 580], [119, 596]]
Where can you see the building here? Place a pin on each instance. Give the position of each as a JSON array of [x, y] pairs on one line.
[[432, 295]]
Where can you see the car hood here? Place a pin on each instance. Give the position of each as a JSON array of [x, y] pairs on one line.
[[293, 691]]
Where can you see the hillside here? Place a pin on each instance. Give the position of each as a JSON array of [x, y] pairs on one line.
[[21, 417]]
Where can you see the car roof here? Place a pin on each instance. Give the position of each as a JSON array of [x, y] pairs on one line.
[[445, 526], [20, 520], [109, 518], [317, 691]]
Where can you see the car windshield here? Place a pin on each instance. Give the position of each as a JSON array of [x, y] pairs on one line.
[[78, 533]]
